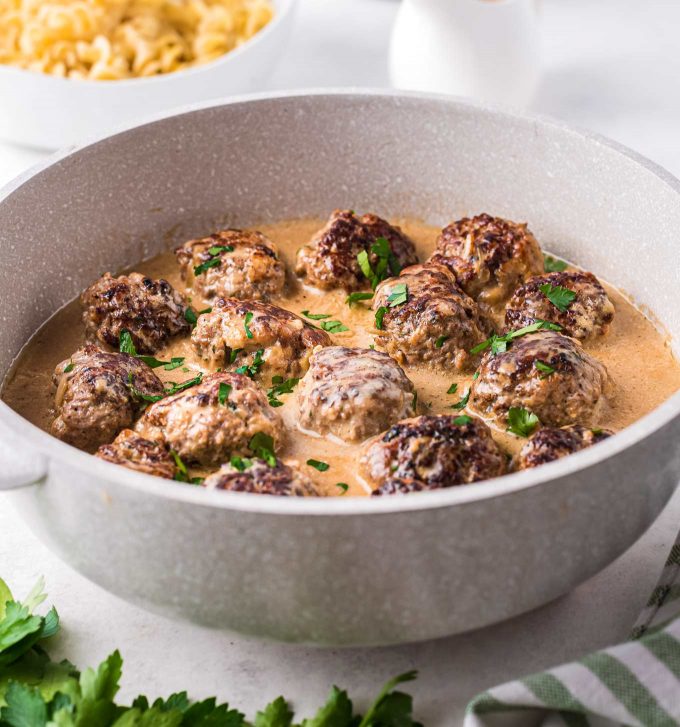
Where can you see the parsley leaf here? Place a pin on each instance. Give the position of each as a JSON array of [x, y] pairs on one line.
[[379, 315], [558, 295], [333, 326], [386, 265], [391, 708], [499, 344], [251, 370], [176, 388], [441, 341], [544, 367], [182, 474], [315, 316], [214, 260], [246, 322], [280, 387], [262, 446], [191, 316], [223, 393], [69, 367], [463, 401], [356, 297], [521, 421], [151, 398], [343, 486], [452, 389], [126, 344], [398, 296], [240, 463], [233, 353], [318, 465], [462, 420], [553, 265], [276, 714]]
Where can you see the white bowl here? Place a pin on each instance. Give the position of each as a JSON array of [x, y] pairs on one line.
[[48, 112]]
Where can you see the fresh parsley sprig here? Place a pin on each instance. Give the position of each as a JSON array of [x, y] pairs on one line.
[[558, 295], [499, 344], [386, 265], [280, 387], [262, 446], [521, 422], [215, 252], [252, 369]]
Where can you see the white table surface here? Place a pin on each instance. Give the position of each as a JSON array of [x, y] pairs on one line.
[[612, 66]]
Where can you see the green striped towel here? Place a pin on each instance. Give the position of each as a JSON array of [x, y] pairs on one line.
[[636, 683]]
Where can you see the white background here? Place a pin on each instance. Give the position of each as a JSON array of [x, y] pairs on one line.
[[610, 65]]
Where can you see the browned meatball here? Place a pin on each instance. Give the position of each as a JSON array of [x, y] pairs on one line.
[[232, 264], [428, 318], [551, 443], [136, 453], [489, 256], [213, 420], [442, 450], [330, 259], [353, 393], [152, 311], [402, 486], [259, 477], [236, 332], [585, 314], [546, 373], [98, 394]]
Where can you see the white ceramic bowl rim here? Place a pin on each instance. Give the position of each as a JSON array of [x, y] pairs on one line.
[[52, 448], [282, 7]]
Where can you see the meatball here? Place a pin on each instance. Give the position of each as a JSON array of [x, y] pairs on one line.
[[236, 332], [136, 453], [232, 264], [98, 394], [212, 420], [353, 393], [330, 259], [489, 256], [546, 373], [259, 477], [551, 443], [442, 450], [586, 311], [402, 486], [152, 311], [428, 318]]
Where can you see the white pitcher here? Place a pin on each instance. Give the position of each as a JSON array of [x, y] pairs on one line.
[[485, 49]]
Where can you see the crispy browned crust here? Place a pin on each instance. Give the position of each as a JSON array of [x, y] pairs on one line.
[[435, 450], [97, 395], [573, 393], [330, 259], [551, 443], [286, 339], [437, 311], [152, 311], [489, 256], [402, 486], [252, 271], [142, 455], [282, 480], [588, 315], [202, 430]]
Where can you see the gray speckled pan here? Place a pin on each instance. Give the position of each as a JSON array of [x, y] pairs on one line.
[[338, 571]]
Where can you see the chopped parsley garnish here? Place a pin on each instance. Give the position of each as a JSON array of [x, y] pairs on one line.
[[182, 474], [596, 431], [333, 326], [544, 368], [343, 486], [151, 398], [191, 316], [246, 322], [386, 264], [553, 265], [414, 403], [475, 376], [126, 344], [398, 296], [521, 422], [214, 260], [452, 389], [233, 353], [174, 363], [176, 388], [69, 367], [558, 295], [463, 401], [499, 344], [318, 465], [379, 315], [223, 393], [251, 370], [357, 297], [280, 387], [441, 341], [262, 446], [240, 463], [462, 420], [315, 316]]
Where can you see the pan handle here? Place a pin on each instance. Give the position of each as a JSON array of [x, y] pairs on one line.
[[19, 468]]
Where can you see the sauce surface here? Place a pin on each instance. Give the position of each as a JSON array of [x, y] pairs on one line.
[[637, 356]]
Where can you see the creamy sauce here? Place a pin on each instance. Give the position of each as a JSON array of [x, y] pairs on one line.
[[639, 360]]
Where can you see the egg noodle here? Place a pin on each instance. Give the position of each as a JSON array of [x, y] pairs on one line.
[[114, 39]]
